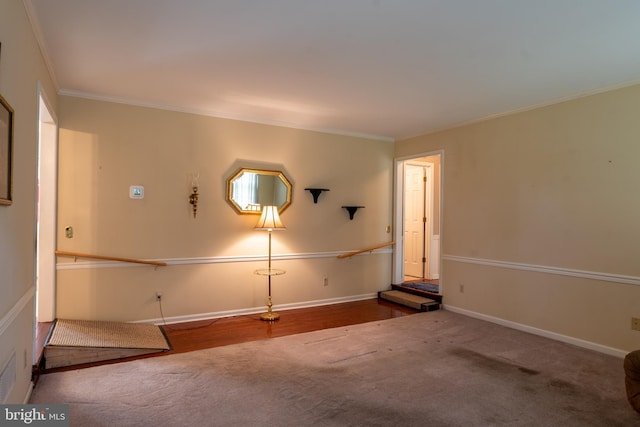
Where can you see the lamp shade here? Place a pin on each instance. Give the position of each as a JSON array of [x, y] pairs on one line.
[[269, 220]]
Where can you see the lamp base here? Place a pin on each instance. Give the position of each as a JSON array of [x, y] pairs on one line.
[[269, 316]]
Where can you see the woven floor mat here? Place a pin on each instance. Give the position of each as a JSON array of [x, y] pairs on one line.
[[87, 333]]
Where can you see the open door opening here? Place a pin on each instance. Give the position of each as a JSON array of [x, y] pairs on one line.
[[45, 216], [417, 224], [418, 177]]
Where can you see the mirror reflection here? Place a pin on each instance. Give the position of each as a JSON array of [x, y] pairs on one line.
[[248, 190]]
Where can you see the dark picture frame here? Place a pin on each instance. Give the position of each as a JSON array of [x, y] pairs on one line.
[[6, 152]]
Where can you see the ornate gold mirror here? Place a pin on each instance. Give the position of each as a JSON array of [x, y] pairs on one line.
[[248, 190]]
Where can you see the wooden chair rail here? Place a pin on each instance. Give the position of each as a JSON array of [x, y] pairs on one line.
[[110, 258], [369, 249]]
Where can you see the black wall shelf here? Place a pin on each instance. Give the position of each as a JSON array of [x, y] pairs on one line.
[[352, 210], [315, 192]]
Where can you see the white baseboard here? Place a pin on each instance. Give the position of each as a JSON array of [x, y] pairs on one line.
[[254, 310], [27, 397], [541, 332]]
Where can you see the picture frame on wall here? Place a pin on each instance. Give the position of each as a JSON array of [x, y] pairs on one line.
[[6, 152]]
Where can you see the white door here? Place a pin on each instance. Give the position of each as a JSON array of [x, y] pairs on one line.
[[414, 221]]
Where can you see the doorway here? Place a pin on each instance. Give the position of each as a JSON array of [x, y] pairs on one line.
[[418, 196], [46, 195], [418, 177]]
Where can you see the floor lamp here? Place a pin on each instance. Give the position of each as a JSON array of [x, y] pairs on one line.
[[270, 221]]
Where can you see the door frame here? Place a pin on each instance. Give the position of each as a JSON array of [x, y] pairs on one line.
[[397, 264], [427, 210], [46, 207]]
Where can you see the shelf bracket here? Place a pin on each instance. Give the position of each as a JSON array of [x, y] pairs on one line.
[[315, 192], [352, 210]]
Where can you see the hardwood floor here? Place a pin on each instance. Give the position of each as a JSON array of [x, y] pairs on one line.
[[199, 335]]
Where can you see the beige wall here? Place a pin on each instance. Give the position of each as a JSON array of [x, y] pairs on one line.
[[551, 188], [21, 67], [106, 147]]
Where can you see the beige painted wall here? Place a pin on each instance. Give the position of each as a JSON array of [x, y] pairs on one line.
[[21, 67], [552, 188], [106, 147]]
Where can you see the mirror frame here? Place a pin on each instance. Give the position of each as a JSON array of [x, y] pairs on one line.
[[276, 173]]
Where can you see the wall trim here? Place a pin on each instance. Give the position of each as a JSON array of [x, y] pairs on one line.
[[255, 310], [27, 396], [594, 275], [540, 332], [211, 260], [219, 115], [17, 308], [549, 103], [40, 39]]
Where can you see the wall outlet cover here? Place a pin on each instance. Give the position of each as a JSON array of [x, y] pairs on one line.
[[136, 192]]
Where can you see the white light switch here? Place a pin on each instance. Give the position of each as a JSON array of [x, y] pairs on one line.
[[136, 192]]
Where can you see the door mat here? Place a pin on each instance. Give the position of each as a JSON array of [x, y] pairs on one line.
[[88, 333]]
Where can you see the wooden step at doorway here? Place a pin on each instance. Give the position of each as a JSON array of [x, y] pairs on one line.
[[410, 300], [407, 287], [76, 342]]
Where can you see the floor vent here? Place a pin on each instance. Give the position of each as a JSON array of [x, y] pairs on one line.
[[7, 378]]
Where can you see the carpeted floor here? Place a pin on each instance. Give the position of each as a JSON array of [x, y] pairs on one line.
[[429, 369], [423, 286]]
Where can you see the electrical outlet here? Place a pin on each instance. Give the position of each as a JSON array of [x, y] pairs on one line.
[[461, 288], [635, 323], [325, 281], [158, 296]]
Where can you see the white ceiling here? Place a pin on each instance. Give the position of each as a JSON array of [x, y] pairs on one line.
[[383, 68]]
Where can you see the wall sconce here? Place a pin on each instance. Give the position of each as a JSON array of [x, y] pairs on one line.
[[193, 197]]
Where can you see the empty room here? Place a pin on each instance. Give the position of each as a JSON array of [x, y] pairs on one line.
[[321, 213]]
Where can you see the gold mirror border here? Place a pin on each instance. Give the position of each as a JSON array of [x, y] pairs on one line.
[[277, 173]]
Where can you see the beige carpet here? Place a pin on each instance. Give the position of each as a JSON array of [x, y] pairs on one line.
[[86, 333], [429, 369]]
